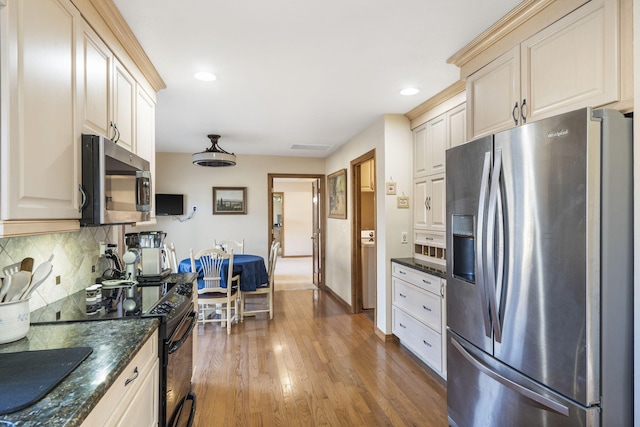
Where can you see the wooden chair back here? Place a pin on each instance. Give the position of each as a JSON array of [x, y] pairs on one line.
[[237, 246]]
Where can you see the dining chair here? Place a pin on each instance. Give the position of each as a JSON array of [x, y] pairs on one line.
[[170, 257], [226, 299], [263, 290], [226, 245]]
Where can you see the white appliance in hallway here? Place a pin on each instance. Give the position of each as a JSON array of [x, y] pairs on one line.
[[367, 237]]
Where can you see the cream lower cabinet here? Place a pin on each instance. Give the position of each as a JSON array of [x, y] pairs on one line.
[[429, 210], [40, 111], [571, 64], [419, 315], [133, 399]]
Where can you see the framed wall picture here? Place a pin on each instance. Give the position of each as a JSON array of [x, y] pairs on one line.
[[229, 200], [337, 189]]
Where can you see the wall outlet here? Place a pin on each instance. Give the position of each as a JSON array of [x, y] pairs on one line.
[[404, 238], [194, 208], [57, 280]]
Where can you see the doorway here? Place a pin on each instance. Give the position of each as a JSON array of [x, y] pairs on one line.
[[363, 255], [297, 240]]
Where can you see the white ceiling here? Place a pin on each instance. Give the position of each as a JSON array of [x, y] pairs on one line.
[[296, 71]]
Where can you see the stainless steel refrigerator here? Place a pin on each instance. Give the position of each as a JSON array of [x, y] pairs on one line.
[[539, 274]]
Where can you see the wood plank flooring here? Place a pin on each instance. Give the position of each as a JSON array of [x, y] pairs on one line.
[[312, 365]]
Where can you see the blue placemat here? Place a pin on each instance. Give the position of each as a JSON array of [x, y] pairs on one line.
[[27, 376]]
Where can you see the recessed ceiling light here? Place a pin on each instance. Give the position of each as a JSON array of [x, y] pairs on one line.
[[409, 91], [205, 77]]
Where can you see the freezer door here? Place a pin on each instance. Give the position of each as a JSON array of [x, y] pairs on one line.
[[468, 170], [549, 301], [482, 392]]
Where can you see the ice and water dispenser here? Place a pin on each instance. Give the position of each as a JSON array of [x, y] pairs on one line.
[[463, 253]]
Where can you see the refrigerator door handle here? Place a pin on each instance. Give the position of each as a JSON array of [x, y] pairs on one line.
[[542, 400], [491, 281], [480, 259]]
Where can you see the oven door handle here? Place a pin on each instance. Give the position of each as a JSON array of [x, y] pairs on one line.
[[175, 345]]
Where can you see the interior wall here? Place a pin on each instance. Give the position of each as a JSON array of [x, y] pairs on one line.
[[176, 174], [390, 136], [298, 216]]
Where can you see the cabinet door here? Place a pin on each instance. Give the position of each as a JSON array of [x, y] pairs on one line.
[[96, 97], [420, 203], [145, 135], [367, 176], [40, 146], [436, 203], [492, 94], [420, 151], [124, 95], [457, 126], [436, 144], [572, 63]]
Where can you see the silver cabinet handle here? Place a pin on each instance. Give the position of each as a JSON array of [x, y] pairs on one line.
[[402, 295], [523, 110], [426, 308], [513, 114], [402, 326], [402, 272], [426, 343], [133, 378], [426, 281], [545, 401]]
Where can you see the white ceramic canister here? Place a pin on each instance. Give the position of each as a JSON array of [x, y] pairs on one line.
[[14, 320]]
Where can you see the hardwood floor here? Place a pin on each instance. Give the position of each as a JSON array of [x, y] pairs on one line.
[[312, 365]]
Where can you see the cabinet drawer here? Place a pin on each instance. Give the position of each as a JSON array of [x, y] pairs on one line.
[[418, 337], [422, 305], [422, 280], [121, 392], [429, 238]]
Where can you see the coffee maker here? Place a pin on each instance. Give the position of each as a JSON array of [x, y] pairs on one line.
[[149, 246]]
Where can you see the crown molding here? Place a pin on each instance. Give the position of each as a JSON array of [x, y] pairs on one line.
[[111, 20], [508, 23], [448, 93]]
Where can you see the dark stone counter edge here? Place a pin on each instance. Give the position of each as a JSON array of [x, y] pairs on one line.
[[76, 407], [110, 379], [423, 266]]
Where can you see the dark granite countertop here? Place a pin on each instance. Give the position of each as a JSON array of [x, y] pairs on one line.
[[114, 343], [424, 266]]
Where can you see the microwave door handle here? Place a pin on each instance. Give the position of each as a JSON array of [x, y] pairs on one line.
[[143, 191], [480, 259], [491, 243], [84, 198]]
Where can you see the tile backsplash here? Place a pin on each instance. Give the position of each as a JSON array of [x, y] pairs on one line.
[[74, 254]]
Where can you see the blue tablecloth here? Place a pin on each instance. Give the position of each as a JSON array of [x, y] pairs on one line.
[[251, 268]]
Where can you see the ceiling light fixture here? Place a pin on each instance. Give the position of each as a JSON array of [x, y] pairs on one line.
[[205, 76], [409, 91], [214, 156]]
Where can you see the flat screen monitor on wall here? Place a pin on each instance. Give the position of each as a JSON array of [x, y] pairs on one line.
[[169, 204]]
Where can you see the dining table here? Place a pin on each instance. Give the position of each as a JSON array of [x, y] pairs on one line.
[[251, 268]]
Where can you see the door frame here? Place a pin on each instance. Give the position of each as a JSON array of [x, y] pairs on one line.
[[321, 219], [356, 243]]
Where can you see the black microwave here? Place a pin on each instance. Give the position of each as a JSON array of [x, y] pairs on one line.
[[116, 184]]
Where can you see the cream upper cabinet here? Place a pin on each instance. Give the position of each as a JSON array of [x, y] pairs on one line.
[[420, 151], [40, 110], [573, 63], [437, 141], [124, 96], [367, 178], [493, 95], [457, 126], [98, 63], [429, 210]]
